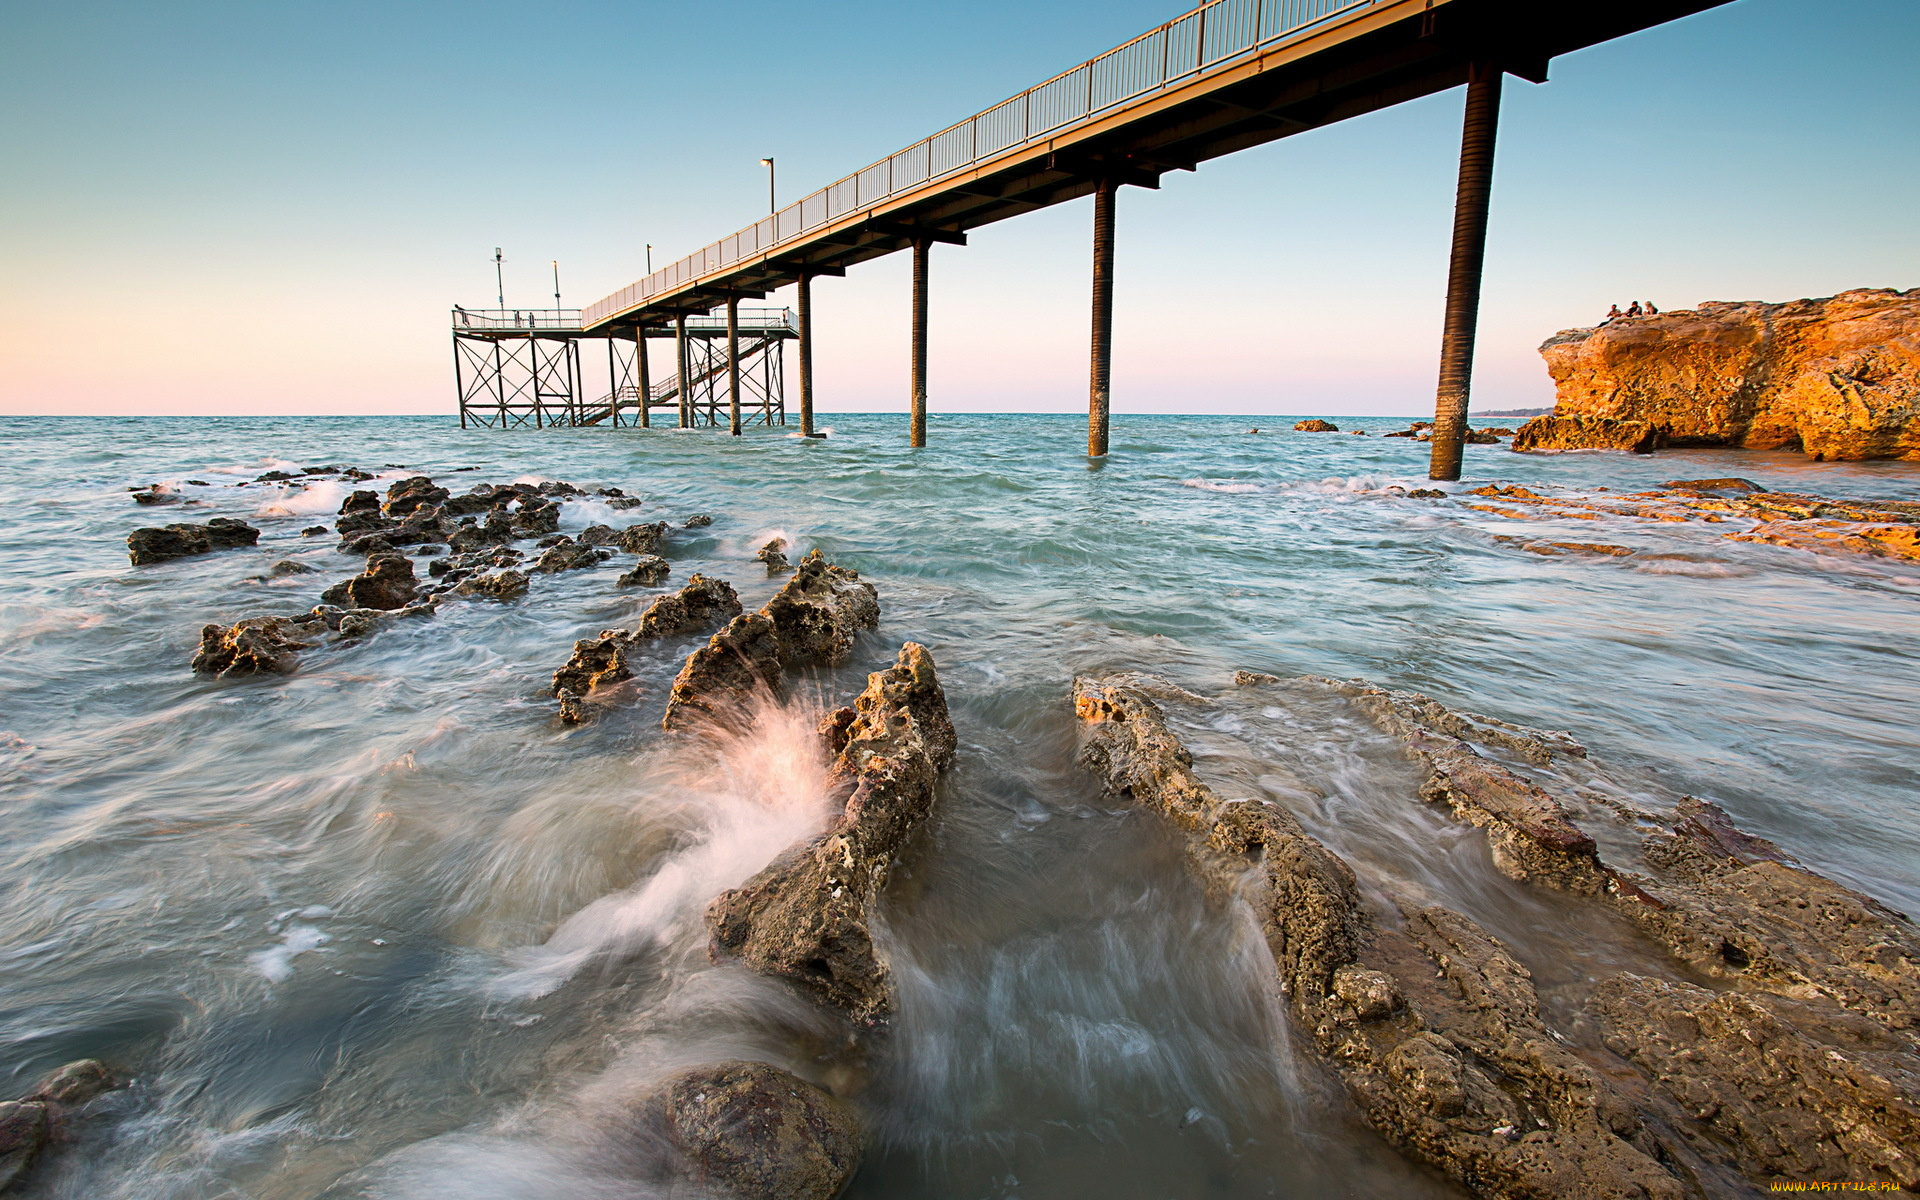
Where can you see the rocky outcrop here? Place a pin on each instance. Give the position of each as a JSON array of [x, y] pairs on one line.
[[387, 583], [1316, 426], [649, 570], [751, 1131], [183, 540], [641, 539], [807, 918], [596, 662], [32, 1125], [493, 585], [813, 620], [254, 646], [774, 554], [408, 494], [1837, 377], [1434, 1027], [700, 604], [569, 555]]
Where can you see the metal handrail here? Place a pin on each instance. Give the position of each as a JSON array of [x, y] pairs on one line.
[[1189, 47], [757, 319]]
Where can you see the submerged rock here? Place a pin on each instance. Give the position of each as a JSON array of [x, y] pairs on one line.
[[1588, 433], [751, 1131], [807, 918], [700, 604], [569, 555], [812, 620], [649, 570], [642, 539], [494, 585], [697, 521], [24, 1133], [387, 583], [157, 493], [774, 554], [254, 646], [183, 540]]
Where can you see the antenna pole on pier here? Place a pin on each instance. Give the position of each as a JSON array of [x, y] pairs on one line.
[[805, 285], [917, 430], [1101, 373], [644, 379], [1463, 275], [680, 364], [733, 365]]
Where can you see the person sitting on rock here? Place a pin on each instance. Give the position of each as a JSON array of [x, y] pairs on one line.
[[1633, 310], [1614, 313], [1651, 310]]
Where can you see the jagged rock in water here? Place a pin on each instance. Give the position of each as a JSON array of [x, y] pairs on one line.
[[569, 555], [595, 661], [1434, 1027], [821, 610], [535, 517], [75, 1083], [360, 501], [254, 646], [774, 554], [719, 679], [642, 539], [1727, 483], [697, 521], [598, 535], [481, 498], [387, 583], [1481, 437], [497, 530], [493, 585], [649, 570], [812, 620], [1837, 377], [408, 494], [182, 540], [620, 503], [701, 604], [24, 1132], [751, 1131], [158, 493], [807, 918], [362, 520], [1315, 426], [559, 487], [287, 566], [1588, 433], [315, 531]]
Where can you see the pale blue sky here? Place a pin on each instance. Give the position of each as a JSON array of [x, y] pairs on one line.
[[232, 207]]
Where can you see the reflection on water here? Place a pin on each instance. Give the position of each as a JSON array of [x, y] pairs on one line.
[[384, 927]]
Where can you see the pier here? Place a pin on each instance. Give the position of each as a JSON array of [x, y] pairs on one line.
[[1227, 76], [528, 368]]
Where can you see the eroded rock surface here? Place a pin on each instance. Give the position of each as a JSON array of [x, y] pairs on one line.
[[812, 620], [649, 570], [700, 604], [254, 646], [751, 1131], [184, 539], [807, 918], [387, 583], [1837, 377]]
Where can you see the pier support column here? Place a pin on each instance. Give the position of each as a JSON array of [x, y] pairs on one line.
[[1463, 275], [643, 379], [680, 364], [733, 365], [805, 302], [917, 429], [1101, 374]]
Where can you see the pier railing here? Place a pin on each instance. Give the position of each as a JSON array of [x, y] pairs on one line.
[[1208, 39], [757, 320]]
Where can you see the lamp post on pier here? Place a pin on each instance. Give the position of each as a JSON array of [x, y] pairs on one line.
[[771, 206]]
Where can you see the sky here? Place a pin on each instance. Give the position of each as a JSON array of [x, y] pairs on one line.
[[264, 207]]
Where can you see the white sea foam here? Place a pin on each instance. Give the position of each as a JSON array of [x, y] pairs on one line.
[[303, 500], [276, 962], [1223, 485], [756, 793]]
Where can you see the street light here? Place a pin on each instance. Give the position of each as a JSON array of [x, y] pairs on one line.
[[649, 258], [556, 289], [768, 164], [499, 281]]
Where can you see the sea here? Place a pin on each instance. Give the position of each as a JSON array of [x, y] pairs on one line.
[[385, 927]]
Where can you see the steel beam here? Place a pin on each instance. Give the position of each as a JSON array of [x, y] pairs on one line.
[[1101, 373], [680, 364], [917, 429], [644, 378], [805, 305], [733, 366], [1463, 273]]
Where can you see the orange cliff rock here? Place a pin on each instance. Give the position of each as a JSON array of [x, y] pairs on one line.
[[1838, 378]]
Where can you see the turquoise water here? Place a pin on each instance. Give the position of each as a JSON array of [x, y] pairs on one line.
[[385, 927]]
